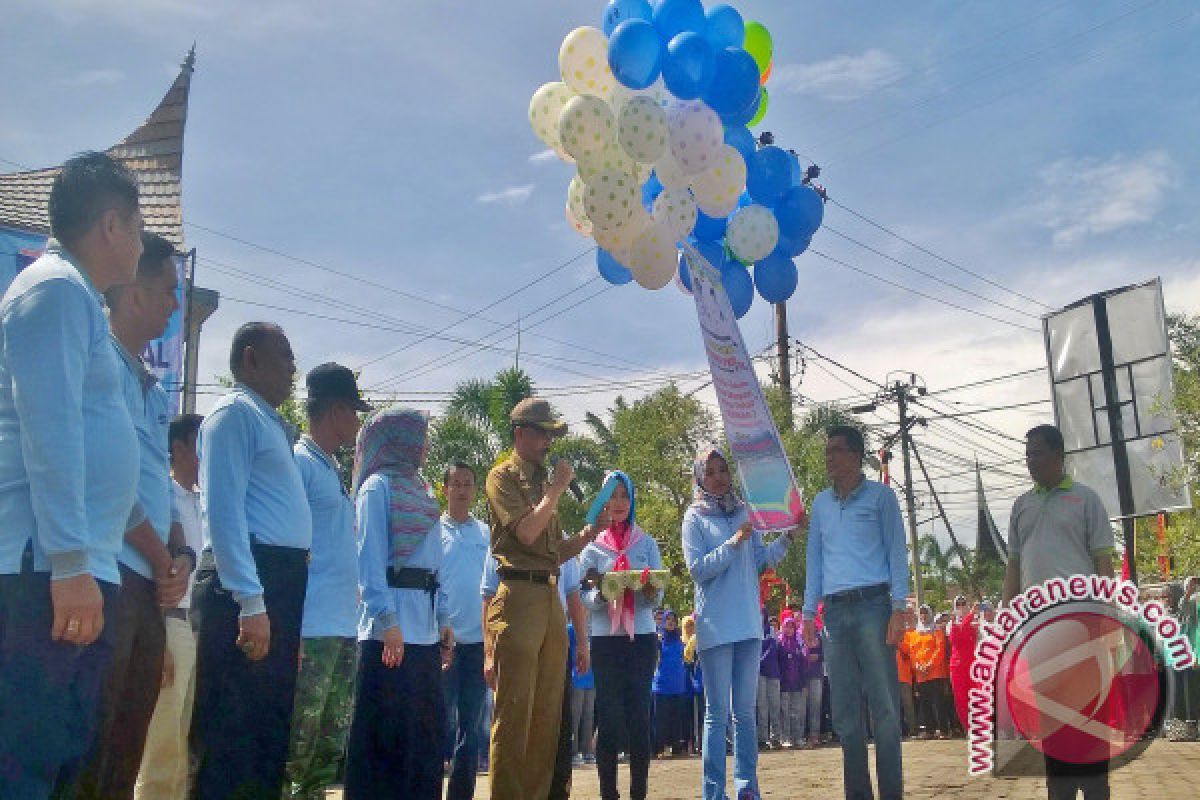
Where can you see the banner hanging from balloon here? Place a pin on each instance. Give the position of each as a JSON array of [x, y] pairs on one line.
[[763, 469]]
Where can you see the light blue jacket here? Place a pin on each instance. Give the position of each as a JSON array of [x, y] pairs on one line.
[[148, 408], [419, 616], [68, 449], [726, 576], [250, 486], [643, 554], [331, 599]]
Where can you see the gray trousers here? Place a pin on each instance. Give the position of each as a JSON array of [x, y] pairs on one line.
[[793, 714], [768, 709], [583, 727], [816, 692]]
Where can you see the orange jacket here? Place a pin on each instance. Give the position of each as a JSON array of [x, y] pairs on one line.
[[904, 659], [928, 652]]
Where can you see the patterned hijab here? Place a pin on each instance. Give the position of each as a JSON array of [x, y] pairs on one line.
[[392, 442], [704, 502]]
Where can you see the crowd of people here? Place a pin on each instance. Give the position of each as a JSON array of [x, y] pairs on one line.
[[201, 607]]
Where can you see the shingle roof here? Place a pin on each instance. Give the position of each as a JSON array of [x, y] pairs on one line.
[[154, 152]]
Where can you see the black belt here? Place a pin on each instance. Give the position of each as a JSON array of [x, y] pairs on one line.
[[860, 593], [412, 578], [547, 577]]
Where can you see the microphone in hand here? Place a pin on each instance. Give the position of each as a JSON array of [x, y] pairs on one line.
[[573, 486]]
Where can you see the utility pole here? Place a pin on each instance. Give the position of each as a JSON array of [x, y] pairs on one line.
[[901, 394], [785, 363]]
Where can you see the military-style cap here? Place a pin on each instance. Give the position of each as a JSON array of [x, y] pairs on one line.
[[537, 413]]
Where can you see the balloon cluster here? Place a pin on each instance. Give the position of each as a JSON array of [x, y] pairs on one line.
[[654, 109]]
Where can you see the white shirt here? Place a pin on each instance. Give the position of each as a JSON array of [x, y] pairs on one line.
[[185, 509]]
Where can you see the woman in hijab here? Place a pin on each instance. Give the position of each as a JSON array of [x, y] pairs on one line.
[[624, 642], [724, 555], [398, 722]]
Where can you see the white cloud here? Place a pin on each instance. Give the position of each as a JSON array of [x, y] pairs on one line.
[[510, 196], [841, 78], [96, 77], [543, 157], [1087, 197]]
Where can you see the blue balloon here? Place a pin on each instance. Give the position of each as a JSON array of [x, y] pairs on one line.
[[685, 274], [688, 66], [673, 17], [775, 277], [612, 270], [797, 170], [768, 175], [635, 53], [713, 252], [799, 212], [618, 11], [793, 247], [739, 286], [735, 82], [741, 139], [709, 229], [744, 200], [651, 189], [725, 27], [742, 118]]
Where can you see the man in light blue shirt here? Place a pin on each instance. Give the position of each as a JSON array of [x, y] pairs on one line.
[[858, 568], [464, 550], [249, 590], [152, 577], [325, 687], [68, 477]]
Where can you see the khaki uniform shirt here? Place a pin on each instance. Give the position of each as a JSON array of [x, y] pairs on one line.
[[514, 487]]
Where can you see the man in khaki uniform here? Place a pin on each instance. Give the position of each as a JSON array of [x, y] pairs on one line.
[[525, 639]]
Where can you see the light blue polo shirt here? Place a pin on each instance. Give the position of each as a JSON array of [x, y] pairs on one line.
[[68, 449], [331, 600], [464, 552]]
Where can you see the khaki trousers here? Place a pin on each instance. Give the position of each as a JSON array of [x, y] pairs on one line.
[[164, 772], [529, 630]]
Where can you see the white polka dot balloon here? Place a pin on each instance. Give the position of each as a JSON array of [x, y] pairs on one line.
[[619, 241], [544, 110], [752, 233], [642, 130], [696, 136], [611, 158], [585, 126], [610, 199], [669, 173], [718, 188], [576, 213], [675, 210], [653, 258], [583, 62]]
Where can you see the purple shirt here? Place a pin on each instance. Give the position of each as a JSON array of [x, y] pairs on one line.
[[793, 663], [768, 665]]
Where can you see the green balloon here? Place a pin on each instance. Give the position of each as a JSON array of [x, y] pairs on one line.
[[762, 109], [758, 44]]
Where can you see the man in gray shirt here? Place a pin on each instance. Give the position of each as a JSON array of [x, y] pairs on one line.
[[1058, 529]]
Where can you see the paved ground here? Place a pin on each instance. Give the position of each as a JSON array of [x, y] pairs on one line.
[[1166, 771]]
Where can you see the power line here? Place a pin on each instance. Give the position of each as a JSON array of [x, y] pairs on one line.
[[987, 381], [990, 410]]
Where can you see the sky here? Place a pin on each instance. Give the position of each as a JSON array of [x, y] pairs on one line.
[[1031, 153]]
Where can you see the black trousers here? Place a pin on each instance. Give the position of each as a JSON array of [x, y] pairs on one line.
[[242, 717], [931, 705], [129, 694], [671, 712], [1065, 780], [396, 734], [624, 670], [560, 779], [49, 691]]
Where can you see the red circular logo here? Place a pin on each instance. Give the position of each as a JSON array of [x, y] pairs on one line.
[[1083, 687]]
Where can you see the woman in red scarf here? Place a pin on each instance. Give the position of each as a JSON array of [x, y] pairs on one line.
[[624, 642]]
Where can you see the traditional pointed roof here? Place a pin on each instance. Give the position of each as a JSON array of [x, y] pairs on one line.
[[154, 152]]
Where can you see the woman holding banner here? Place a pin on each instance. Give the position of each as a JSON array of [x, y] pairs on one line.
[[724, 555], [624, 643]]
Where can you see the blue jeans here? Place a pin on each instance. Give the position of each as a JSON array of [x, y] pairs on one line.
[[730, 671], [861, 663], [464, 690]]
